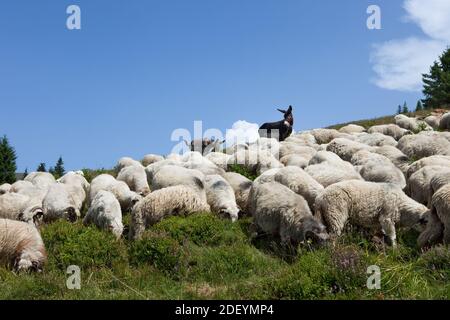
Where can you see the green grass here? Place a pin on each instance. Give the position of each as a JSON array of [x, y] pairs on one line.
[[204, 257]]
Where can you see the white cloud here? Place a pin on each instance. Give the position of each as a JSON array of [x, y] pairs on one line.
[[242, 132], [399, 64]]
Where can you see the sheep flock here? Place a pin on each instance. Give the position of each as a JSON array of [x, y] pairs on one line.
[[309, 188]]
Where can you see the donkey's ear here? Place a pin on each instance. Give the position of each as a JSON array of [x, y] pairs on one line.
[[282, 111], [289, 110]]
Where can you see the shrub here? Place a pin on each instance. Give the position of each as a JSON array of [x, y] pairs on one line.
[[243, 171], [159, 250], [202, 229], [84, 246]]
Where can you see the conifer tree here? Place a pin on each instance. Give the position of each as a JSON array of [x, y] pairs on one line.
[[7, 162], [436, 84]]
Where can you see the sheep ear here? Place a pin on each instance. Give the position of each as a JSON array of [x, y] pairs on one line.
[[282, 111]]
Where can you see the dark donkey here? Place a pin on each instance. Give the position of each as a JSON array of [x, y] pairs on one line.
[[284, 126]]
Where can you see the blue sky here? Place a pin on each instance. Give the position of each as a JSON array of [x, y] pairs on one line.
[[137, 70]]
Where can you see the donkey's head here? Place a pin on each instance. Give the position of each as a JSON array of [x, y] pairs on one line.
[[288, 115]]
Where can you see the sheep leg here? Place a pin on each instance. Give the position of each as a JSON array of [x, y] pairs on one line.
[[388, 228]]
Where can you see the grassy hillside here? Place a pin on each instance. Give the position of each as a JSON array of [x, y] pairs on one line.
[[203, 257]]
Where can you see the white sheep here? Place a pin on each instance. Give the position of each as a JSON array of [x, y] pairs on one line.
[[169, 176], [292, 221], [4, 188], [77, 186], [419, 184], [255, 161], [195, 160], [412, 124], [17, 206], [120, 189], [439, 180], [42, 180], [220, 197], [241, 187], [433, 121], [352, 128], [220, 159], [378, 168], [151, 169], [424, 145], [288, 148], [136, 179], [295, 160], [376, 139], [438, 226], [398, 158], [444, 123], [105, 213], [323, 136], [21, 246], [60, 204], [302, 138], [392, 130], [176, 200], [151, 158], [327, 173], [126, 162], [300, 182], [428, 161], [373, 206], [345, 148]]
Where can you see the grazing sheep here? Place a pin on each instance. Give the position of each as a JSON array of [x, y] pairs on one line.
[[330, 158], [287, 148], [151, 169], [60, 204], [28, 189], [126, 162], [302, 138], [220, 159], [438, 226], [136, 179], [241, 187], [377, 168], [151, 158], [300, 182], [376, 139], [195, 160], [255, 161], [4, 188], [352, 128], [324, 136], [424, 145], [105, 213], [398, 158], [220, 197], [17, 206], [295, 160], [412, 124], [292, 221], [419, 184], [42, 180], [21, 246], [392, 130], [433, 121], [169, 176], [373, 206], [438, 181], [177, 200], [345, 148], [77, 186], [444, 123], [326, 173], [428, 161], [120, 189]]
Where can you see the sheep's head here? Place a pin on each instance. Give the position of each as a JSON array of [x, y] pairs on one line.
[[230, 213], [32, 215], [413, 214], [30, 260], [313, 230], [71, 214]]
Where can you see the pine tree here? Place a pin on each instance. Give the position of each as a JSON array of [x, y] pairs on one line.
[[405, 108], [399, 110], [58, 171], [7, 162], [41, 167], [436, 84], [419, 106]]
